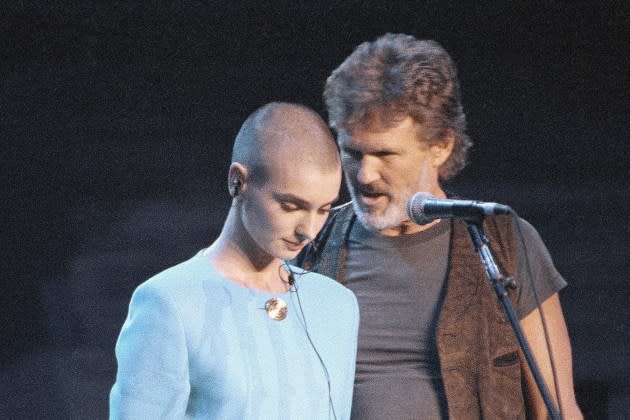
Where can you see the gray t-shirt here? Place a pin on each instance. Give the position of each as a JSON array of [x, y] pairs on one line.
[[399, 283]]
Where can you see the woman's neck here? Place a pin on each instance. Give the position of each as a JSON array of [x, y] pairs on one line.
[[262, 272]]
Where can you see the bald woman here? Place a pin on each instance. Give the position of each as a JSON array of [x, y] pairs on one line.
[[236, 332]]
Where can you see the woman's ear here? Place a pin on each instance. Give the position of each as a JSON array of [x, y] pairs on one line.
[[441, 150], [237, 179]]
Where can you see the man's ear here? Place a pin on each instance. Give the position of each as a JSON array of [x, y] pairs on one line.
[[237, 179], [440, 151]]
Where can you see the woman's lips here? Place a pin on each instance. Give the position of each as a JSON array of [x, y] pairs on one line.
[[294, 246]]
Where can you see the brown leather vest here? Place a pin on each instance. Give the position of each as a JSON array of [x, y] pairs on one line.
[[477, 348]]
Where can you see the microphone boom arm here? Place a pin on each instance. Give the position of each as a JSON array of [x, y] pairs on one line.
[[499, 284]]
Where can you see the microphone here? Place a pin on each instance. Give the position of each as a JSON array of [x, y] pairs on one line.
[[424, 208]]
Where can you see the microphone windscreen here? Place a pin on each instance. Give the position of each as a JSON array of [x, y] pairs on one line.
[[415, 208]]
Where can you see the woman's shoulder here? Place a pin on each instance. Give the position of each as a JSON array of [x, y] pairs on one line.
[[322, 287], [178, 283]]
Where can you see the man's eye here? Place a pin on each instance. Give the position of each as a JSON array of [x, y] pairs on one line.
[[383, 153]]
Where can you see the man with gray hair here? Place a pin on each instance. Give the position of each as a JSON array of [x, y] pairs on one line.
[[434, 341]]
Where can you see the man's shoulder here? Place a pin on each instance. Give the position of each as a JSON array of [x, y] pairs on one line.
[[341, 210], [329, 239], [337, 223]]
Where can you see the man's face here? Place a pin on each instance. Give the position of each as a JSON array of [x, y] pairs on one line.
[[383, 168], [290, 208]]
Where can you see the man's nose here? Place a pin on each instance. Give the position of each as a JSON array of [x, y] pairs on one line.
[[368, 170]]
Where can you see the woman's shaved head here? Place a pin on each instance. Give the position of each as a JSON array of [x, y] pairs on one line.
[[284, 134]]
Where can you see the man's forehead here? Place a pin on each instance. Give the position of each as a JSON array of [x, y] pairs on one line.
[[379, 117], [376, 133], [385, 123]]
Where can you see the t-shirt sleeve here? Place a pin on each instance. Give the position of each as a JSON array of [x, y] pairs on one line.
[[536, 275], [152, 378]]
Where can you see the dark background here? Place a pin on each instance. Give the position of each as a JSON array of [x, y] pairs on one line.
[[116, 122]]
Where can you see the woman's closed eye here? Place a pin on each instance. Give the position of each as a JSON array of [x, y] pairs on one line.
[[289, 206]]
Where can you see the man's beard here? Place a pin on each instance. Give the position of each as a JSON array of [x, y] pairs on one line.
[[393, 215]]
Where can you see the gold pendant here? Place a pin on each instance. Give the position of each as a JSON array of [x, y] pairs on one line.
[[276, 309]]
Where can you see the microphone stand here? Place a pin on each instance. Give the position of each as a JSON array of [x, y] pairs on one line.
[[499, 283]]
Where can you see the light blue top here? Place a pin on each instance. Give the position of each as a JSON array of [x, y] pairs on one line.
[[196, 345]]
